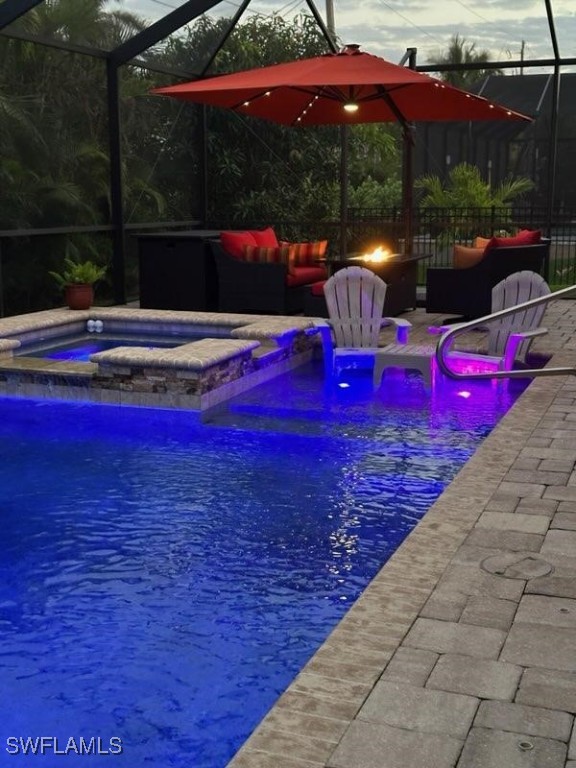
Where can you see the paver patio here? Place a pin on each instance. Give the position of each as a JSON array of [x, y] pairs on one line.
[[462, 651]]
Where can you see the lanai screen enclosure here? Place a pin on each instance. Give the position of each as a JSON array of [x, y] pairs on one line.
[[89, 45]]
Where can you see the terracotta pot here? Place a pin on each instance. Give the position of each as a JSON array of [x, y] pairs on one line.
[[79, 295]]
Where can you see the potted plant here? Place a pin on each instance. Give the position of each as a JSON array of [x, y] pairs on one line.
[[77, 279]]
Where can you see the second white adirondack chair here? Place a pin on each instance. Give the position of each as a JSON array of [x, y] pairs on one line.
[[355, 300], [510, 337]]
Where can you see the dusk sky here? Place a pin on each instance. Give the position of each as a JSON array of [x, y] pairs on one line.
[[506, 28]]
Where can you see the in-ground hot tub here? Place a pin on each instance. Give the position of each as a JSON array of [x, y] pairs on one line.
[[79, 347], [171, 359]]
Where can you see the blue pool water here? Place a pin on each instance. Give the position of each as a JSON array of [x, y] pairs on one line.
[[162, 580]]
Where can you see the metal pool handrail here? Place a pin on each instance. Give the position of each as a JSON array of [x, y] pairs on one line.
[[449, 335]]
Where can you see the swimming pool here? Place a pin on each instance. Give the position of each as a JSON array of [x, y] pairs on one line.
[[164, 580]]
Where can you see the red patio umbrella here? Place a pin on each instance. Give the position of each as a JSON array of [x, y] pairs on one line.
[[345, 88], [349, 87]]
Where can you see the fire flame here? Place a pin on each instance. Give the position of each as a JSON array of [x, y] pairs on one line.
[[377, 255]]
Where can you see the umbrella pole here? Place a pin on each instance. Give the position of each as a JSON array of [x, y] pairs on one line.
[[407, 170], [343, 189], [407, 187]]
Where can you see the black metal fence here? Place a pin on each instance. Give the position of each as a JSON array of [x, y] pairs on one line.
[[436, 230], [25, 285]]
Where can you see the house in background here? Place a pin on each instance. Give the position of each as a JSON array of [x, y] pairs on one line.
[[501, 148]]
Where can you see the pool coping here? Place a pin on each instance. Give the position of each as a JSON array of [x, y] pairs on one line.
[[438, 633]]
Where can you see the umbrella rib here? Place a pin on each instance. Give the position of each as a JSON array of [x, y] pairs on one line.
[[385, 95], [325, 91], [247, 101], [332, 93]]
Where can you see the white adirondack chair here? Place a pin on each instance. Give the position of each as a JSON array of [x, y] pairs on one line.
[[355, 300], [510, 337]]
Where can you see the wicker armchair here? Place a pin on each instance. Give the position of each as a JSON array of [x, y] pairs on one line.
[[468, 292]]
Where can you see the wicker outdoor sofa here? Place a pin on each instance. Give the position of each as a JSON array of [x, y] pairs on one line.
[[262, 287]]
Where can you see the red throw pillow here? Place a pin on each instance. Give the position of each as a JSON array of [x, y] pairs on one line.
[[524, 237], [533, 236], [233, 242], [265, 238]]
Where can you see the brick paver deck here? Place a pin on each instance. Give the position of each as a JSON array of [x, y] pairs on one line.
[[462, 650]]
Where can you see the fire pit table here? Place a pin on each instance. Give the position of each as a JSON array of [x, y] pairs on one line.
[[399, 272]]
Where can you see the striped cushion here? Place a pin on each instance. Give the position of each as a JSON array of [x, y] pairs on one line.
[[306, 254], [283, 254]]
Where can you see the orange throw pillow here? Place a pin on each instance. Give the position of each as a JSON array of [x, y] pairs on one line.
[[465, 257], [480, 242], [308, 254]]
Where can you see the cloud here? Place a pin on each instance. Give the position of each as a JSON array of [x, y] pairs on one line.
[[503, 39], [149, 10], [506, 28]]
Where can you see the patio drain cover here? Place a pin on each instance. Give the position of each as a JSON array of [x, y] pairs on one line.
[[517, 565]]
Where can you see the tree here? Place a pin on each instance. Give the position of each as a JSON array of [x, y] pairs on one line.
[[58, 126], [260, 171], [54, 168], [466, 195], [465, 188], [55, 165], [461, 52]]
